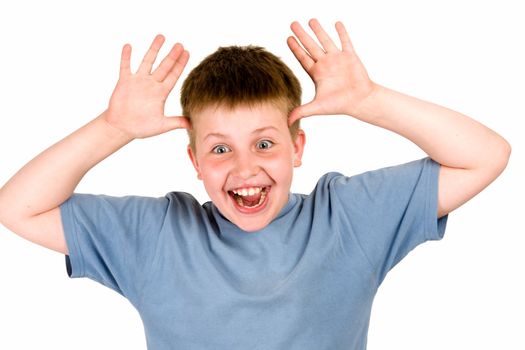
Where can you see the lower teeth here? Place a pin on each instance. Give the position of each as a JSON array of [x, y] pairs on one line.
[[241, 203]]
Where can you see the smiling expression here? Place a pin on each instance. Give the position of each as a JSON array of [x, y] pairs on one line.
[[245, 157]]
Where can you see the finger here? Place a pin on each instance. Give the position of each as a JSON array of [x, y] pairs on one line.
[[151, 55], [322, 36], [172, 123], [303, 111], [176, 70], [302, 56], [306, 40], [167, 63], [125, 59], [346, 44]]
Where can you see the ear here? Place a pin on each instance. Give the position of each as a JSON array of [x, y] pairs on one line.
[[193, 159], [298, 144]]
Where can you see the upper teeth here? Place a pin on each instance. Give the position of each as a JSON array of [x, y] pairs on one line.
[[250, 191]]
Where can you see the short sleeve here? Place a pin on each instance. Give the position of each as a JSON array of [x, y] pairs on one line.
[[111, 239], [390, 211]]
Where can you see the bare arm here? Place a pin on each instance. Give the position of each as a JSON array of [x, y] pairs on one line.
[[30, 200], [471, 155]]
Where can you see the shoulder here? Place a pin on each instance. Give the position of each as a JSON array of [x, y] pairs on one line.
[[129, 205], [184, 209], [181, 198], [400, 173], [384, 185]]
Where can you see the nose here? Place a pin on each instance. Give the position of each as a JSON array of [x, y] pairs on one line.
[[245, 165]]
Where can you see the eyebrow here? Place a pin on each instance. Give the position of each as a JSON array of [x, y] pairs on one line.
[[214, 134], [265, 128], [256, 131]]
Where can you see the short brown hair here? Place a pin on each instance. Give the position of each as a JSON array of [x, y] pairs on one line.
[[240, 75]]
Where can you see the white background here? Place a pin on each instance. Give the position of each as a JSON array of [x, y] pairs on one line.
[[58, 66]]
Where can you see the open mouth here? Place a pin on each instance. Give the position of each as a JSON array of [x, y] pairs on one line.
[[250, 197]]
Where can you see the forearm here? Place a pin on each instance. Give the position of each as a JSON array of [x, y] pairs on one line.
[[448, 137], [50, 178], [471, 155]]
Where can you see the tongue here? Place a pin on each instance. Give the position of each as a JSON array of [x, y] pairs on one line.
[[250, 201]]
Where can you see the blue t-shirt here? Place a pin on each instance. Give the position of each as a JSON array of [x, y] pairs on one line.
[[306, 281]]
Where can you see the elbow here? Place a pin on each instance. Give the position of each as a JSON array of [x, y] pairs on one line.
[[501, 156], [505, 153], [3, 208], [6, 213], [9, 215]]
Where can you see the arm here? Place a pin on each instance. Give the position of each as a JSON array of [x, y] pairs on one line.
[[471, 155], [30, 200]]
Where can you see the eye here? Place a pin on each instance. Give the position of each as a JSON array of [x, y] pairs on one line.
[[220, 149], [264, 144]]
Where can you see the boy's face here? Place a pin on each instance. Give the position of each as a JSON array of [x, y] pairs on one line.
[[245, 158]]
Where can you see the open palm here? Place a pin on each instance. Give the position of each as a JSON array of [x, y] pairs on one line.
[[137, 104], [341, 81]]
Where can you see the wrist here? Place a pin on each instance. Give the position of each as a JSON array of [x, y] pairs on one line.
[[112, 131], [368, 108]]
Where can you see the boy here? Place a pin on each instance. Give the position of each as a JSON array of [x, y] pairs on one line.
[[257, 267]]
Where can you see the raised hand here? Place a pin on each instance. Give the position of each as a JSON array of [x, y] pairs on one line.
[[136, 107], [341, 81]]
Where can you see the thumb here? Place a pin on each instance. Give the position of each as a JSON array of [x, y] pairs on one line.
[[172, 123], [306, 110]]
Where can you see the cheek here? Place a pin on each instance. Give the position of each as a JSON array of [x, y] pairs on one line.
[[280, 167], [213, 174]]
